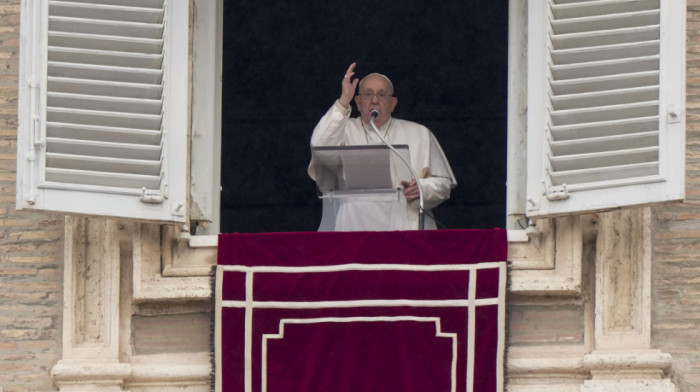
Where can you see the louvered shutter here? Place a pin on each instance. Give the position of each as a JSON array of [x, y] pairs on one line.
[[104, 108], [606, 101]]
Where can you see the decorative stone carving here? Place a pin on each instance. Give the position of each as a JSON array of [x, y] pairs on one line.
[[550, 263], [101, 258], [91, 308], [152, 244], [623, 359], [616, 353]]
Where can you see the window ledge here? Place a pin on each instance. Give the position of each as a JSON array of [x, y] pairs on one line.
[[212, 241], [542, 262]]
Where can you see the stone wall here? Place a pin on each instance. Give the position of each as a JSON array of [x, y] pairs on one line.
[[31, 249], [171, 333]]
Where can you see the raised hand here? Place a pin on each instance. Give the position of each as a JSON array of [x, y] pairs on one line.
[[349, 86]]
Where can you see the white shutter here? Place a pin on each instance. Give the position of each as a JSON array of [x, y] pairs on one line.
[[606, 102], [103, 108]]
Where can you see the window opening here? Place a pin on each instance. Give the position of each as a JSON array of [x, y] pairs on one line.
[[282, 67]]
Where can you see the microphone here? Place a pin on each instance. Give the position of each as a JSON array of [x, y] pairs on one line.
[[421, 210]]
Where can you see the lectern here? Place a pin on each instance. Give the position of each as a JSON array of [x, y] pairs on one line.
[[360, 184]]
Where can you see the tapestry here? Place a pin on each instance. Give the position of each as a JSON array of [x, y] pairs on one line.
[[361, 311]]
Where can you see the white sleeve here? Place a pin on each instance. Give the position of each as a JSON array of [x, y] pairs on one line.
[[435, 190], [329, 130], [439, 179]]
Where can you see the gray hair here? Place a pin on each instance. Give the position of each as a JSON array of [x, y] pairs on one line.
[[391, 85]]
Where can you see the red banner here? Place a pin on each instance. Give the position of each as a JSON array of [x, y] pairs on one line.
[[360, 311]]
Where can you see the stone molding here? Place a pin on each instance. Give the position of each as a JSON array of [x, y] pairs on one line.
[[192, 371], [628, 385], [71, 375], [623, 280], [158, 251], [550, 263], [91, 289], [616, 354], [99, 302], [615, 364], [623, 359]]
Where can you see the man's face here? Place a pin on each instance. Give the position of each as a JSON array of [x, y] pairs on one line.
[[376, 93]]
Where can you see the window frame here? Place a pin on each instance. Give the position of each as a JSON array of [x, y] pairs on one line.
[[205, 167]]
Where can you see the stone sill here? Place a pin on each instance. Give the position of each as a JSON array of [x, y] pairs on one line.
[[543, 261], [210, 241]]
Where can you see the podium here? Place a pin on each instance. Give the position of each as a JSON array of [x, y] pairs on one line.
[[360, 186], [362, 311]]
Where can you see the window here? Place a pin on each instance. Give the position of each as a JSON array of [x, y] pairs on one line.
[[450, 76], [103, 108], [606, 101]]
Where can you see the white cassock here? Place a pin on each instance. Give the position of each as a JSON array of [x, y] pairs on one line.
[[388, 212]]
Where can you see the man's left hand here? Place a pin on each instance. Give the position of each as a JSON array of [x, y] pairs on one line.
[[410, 190]]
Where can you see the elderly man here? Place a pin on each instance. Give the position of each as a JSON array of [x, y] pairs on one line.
[[337, 128]]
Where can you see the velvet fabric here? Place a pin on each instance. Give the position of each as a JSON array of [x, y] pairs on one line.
[[361, 311], [329, 248]]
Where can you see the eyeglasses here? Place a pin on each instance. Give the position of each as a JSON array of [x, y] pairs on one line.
[[381, 96]]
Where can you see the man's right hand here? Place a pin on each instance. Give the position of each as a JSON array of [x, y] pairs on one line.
[[349, 87]]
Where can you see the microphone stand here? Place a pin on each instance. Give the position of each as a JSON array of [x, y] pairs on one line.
[[421, 210]]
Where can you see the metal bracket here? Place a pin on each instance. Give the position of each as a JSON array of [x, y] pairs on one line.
[[533, 234], [154, 197], [39, 140], [557, 193]]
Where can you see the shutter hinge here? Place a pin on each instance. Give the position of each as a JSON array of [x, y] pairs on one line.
[[36, 132], [557, 193], [155, 197]]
